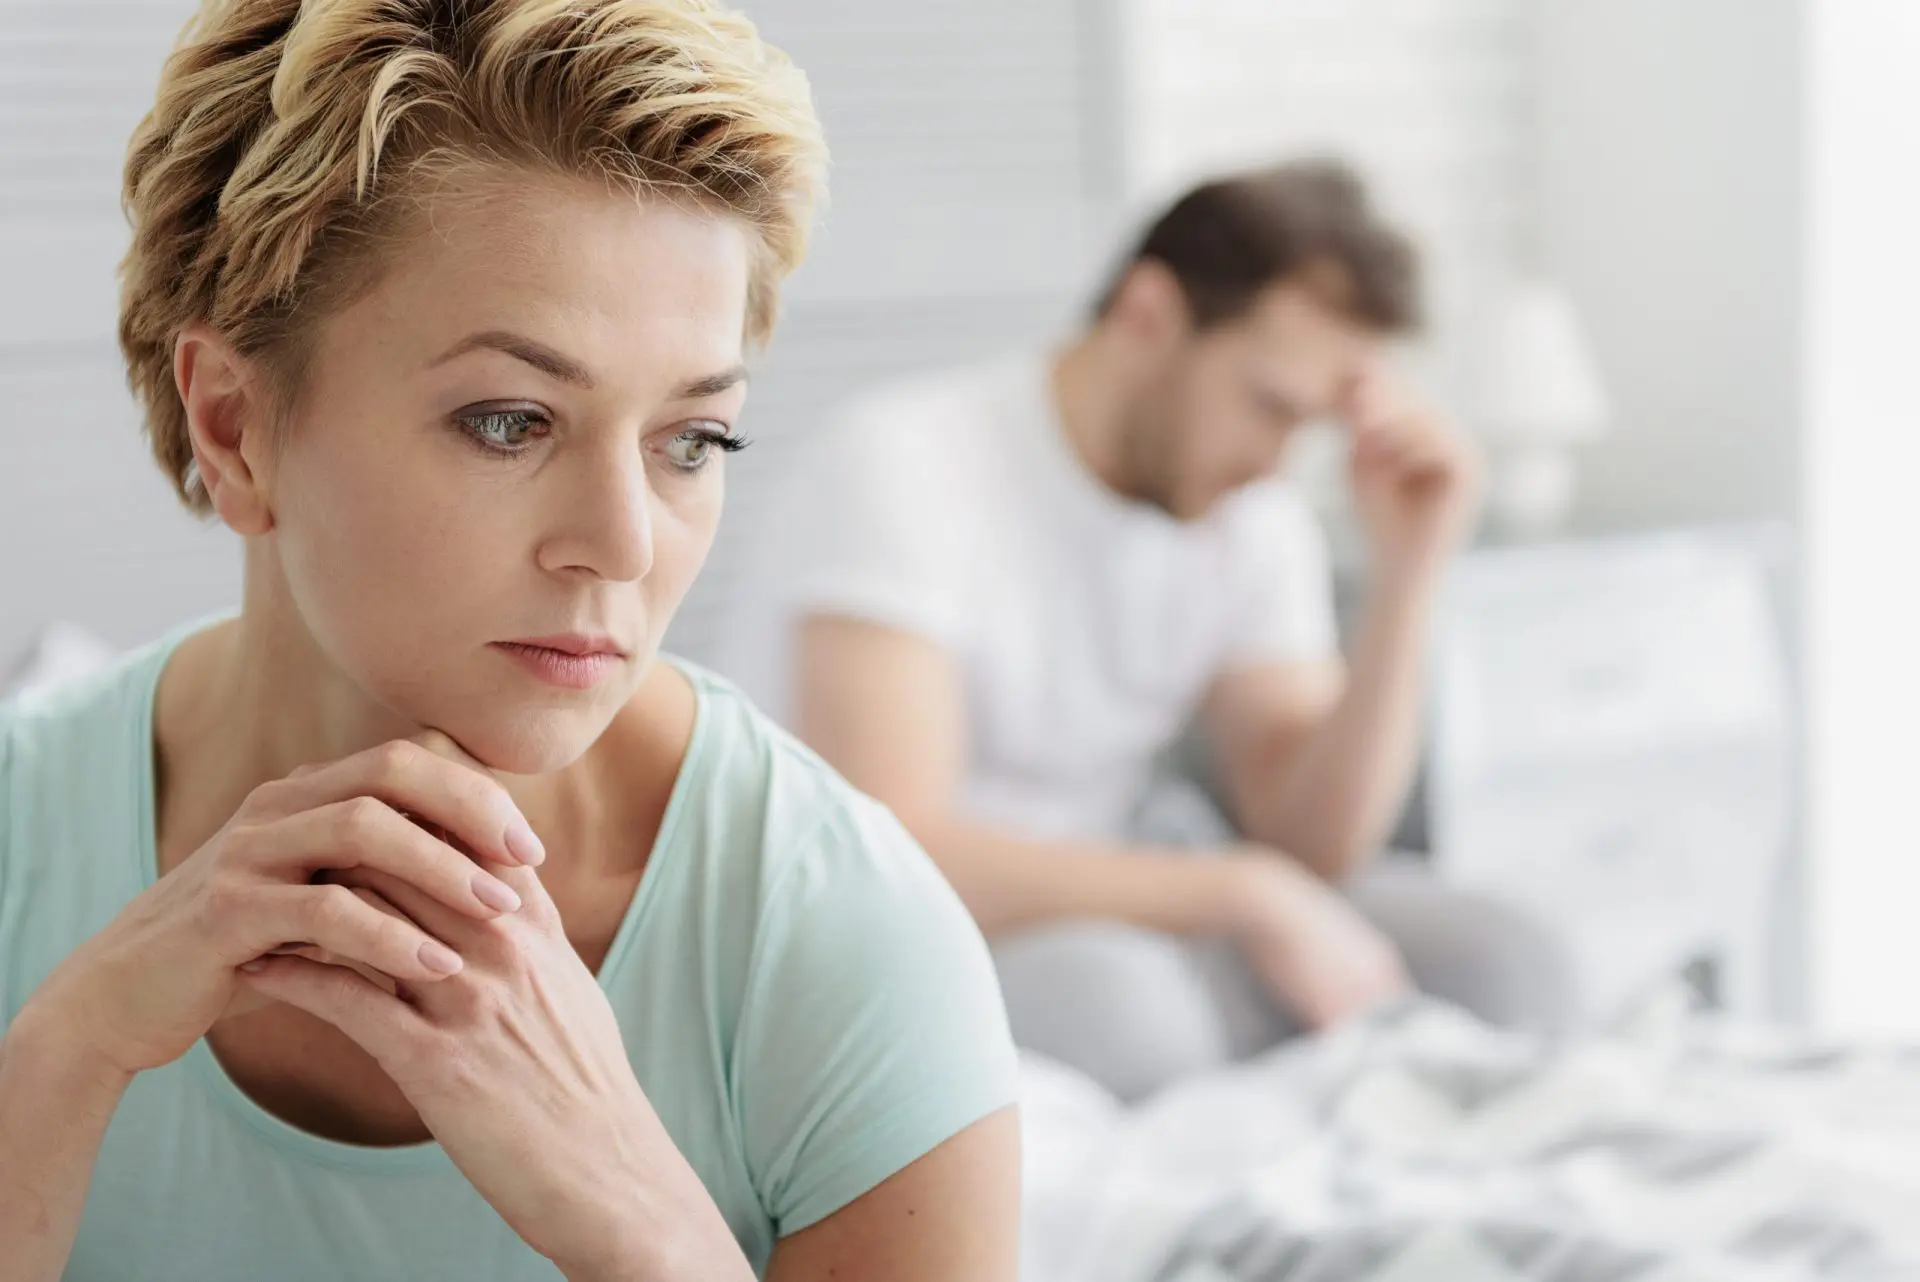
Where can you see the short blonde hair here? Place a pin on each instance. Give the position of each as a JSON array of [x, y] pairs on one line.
[[289, 137]]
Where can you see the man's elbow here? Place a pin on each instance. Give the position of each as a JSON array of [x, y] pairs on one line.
[[1341, 858]]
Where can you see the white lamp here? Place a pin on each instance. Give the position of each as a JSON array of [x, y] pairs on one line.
[[1534, 394]]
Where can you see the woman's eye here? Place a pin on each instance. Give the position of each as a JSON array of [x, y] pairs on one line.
[[504, 430], [689, 450], [693, 448]]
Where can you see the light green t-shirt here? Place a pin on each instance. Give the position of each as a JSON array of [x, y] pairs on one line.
[[806, 1003]]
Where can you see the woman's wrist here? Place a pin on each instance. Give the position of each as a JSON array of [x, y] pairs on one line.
[[45, 1043], [633, 1242], [649, 1218], [685, 1260], [56, 1103]]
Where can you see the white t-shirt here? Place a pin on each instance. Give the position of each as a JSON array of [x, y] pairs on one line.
[[1087, 627]]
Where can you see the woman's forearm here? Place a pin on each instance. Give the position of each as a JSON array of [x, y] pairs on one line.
[[54, 1108]]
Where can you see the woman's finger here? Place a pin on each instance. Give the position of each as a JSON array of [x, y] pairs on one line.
[[424, 911], [481, 944], [469, 804], [374, 1018], [382, 980], [334, 918], [364, 832], [485, 946], [537, 907]]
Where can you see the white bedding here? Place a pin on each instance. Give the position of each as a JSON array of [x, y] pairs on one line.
[[1422, 1145]]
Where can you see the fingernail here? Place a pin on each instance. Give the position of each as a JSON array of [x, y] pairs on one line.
[[253, 967], [435, 955], [523, 845], [494, 893]]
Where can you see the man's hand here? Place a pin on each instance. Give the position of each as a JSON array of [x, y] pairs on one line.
[[1415, 478], [1321, 959]]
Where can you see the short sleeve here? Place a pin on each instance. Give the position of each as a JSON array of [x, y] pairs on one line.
[[1284, 581], [6, 802], [872, 1029], [876, 521]]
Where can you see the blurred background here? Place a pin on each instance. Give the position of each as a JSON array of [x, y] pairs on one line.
[[1674, 261]]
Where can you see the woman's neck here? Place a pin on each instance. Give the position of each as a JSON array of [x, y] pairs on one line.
[[260, 688], [246, 702]]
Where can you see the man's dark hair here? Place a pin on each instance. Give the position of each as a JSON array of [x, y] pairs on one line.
[[1227, 240]]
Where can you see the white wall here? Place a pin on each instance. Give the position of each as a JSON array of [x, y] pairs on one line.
[[1863, 523], [1670, 203], [1428, 98], [90, 530]]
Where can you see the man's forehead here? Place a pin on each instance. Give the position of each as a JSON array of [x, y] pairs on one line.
[[1303, 302], [1294, 335]]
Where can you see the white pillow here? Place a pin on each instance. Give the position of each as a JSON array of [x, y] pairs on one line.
[[63, 652]]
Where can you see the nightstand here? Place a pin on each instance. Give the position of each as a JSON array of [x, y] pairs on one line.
[[1611, 752]]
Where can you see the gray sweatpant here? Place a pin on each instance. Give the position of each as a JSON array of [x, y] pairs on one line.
[[1135, 1009]]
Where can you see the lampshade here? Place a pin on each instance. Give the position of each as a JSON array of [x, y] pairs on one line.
[[1531, 375]]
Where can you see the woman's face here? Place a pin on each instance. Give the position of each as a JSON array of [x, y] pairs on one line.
[[502, 474]]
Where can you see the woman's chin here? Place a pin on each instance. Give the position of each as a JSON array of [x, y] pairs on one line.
[[533, 741], [505, 721]]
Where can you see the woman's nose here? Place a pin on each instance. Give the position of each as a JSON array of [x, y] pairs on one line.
[[606, 520]]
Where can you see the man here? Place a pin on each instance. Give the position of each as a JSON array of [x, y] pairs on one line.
[[1003, 593]]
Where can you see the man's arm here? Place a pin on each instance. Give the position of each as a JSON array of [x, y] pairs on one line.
[[1317, 758], [1317, 764], [884, 707], [54, 1111], [952, 1216]]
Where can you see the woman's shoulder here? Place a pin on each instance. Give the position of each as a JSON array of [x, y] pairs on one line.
[[751, 757], [70, 763], [70, 727], [779, 800], [867, 1027]]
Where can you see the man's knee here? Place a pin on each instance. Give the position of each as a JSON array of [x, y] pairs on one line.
[[1472, 949]]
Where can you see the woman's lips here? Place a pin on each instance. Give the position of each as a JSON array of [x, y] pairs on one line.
[[573, 663]]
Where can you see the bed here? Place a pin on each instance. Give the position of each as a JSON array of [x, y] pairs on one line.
[[1420, 1144]]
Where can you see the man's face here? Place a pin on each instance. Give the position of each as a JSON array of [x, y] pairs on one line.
[[1227, 401]]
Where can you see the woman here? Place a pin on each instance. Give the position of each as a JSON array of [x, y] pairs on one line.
[[415, 922]]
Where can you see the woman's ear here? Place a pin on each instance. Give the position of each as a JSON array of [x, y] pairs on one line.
[[227, 421]]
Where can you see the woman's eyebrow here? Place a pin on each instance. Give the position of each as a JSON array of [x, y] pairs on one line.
[[712, 384], [539, 355], [567, 370]]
